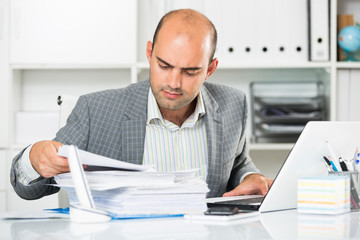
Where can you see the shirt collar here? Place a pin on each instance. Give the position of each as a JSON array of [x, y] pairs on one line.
[[153, 111]]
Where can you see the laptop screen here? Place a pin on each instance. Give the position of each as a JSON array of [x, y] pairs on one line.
[[304, 160]]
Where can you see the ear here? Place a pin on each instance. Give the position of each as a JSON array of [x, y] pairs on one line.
[[148, 50], [212, 67]]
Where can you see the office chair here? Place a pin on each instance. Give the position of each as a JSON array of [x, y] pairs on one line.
[[66, 103]]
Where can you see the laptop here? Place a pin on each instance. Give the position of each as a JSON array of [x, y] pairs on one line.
[[304, 160]]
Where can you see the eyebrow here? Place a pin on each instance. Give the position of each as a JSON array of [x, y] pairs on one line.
[[183, 69]]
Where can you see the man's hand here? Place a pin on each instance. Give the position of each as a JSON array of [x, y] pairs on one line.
[[252, 184], [45, 160]]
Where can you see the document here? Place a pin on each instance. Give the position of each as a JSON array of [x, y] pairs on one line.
[[139, 192], [101, 161]]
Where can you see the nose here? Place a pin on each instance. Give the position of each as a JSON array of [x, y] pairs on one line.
[[174, 79]]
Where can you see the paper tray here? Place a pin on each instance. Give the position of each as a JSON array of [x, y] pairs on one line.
[[289, 119], [302, 104], [275, 129]]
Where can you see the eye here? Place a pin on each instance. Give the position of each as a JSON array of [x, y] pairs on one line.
[[190, 74], [163, 66]]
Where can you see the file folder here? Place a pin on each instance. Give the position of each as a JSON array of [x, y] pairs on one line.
[[319, 30], [298, 45], [260, 31]]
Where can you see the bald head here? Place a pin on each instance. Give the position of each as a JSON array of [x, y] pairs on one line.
[[188, 22]]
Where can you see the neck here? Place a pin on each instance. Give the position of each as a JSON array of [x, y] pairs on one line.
[[178, 117]]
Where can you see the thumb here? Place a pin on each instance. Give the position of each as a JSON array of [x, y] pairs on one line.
[[264, 188]]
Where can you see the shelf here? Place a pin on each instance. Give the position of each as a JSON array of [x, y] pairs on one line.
[[276, 65], [271, 146], [351, 65], [71, 66]]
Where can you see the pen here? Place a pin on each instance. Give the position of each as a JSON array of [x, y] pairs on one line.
[[334, 167], [357, 163], [58, 210], [349, 164], [332, 154], [331, 163], [356, 160], [328, 164], [342, 164], [356, 153]]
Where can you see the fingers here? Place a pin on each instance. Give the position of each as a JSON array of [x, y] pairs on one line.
[[264, 187], [229, 194], [252, 184], [269, 181], [234, 193], [242, 189], [44, 159]]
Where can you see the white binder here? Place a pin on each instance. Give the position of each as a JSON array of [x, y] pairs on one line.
[[319, 30], [85, 211], [260, 31]]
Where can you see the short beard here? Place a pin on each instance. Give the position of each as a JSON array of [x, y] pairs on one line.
[[177, 104]]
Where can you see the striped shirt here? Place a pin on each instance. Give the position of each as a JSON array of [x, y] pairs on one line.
[[169, 147]]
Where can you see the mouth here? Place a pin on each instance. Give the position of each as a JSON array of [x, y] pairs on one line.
[[172, 95]]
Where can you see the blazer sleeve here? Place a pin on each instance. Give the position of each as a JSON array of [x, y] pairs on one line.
[[75, 132], [242, 163], [39, 188]]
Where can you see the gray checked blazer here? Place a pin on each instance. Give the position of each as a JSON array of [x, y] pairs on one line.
[[112, 123]]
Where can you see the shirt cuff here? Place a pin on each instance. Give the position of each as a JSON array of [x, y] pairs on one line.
[[27, 173], [245, 175]]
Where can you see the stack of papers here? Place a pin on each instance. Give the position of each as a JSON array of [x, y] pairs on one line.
[[138, 190], [324, 195]]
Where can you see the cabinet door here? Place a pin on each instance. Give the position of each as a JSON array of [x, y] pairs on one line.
[[4, 72], [73, 31], [3, 179], [3, 170], [348, 95]]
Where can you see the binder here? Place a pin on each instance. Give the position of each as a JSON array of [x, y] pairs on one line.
[[298, 46], [319, 30], [260, 31], [266, 31]]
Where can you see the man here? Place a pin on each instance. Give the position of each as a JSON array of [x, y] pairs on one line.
[[174, 121]]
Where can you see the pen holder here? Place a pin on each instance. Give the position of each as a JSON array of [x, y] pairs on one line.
[[354, 177]]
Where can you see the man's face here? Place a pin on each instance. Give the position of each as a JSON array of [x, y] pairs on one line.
[[178, 67]]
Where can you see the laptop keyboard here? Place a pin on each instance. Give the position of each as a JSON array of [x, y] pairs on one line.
[[243, 201]]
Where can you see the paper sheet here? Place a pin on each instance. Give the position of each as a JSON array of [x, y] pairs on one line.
[[92, 159]]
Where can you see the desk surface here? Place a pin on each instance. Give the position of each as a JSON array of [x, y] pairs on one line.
[[276, 225]]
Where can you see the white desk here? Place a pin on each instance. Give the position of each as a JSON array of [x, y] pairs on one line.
[[277, 225]]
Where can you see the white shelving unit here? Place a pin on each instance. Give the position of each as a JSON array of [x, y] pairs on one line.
[[32, 76]]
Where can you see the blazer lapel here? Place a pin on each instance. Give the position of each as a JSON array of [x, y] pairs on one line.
[[134, 127], [214, 134]]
